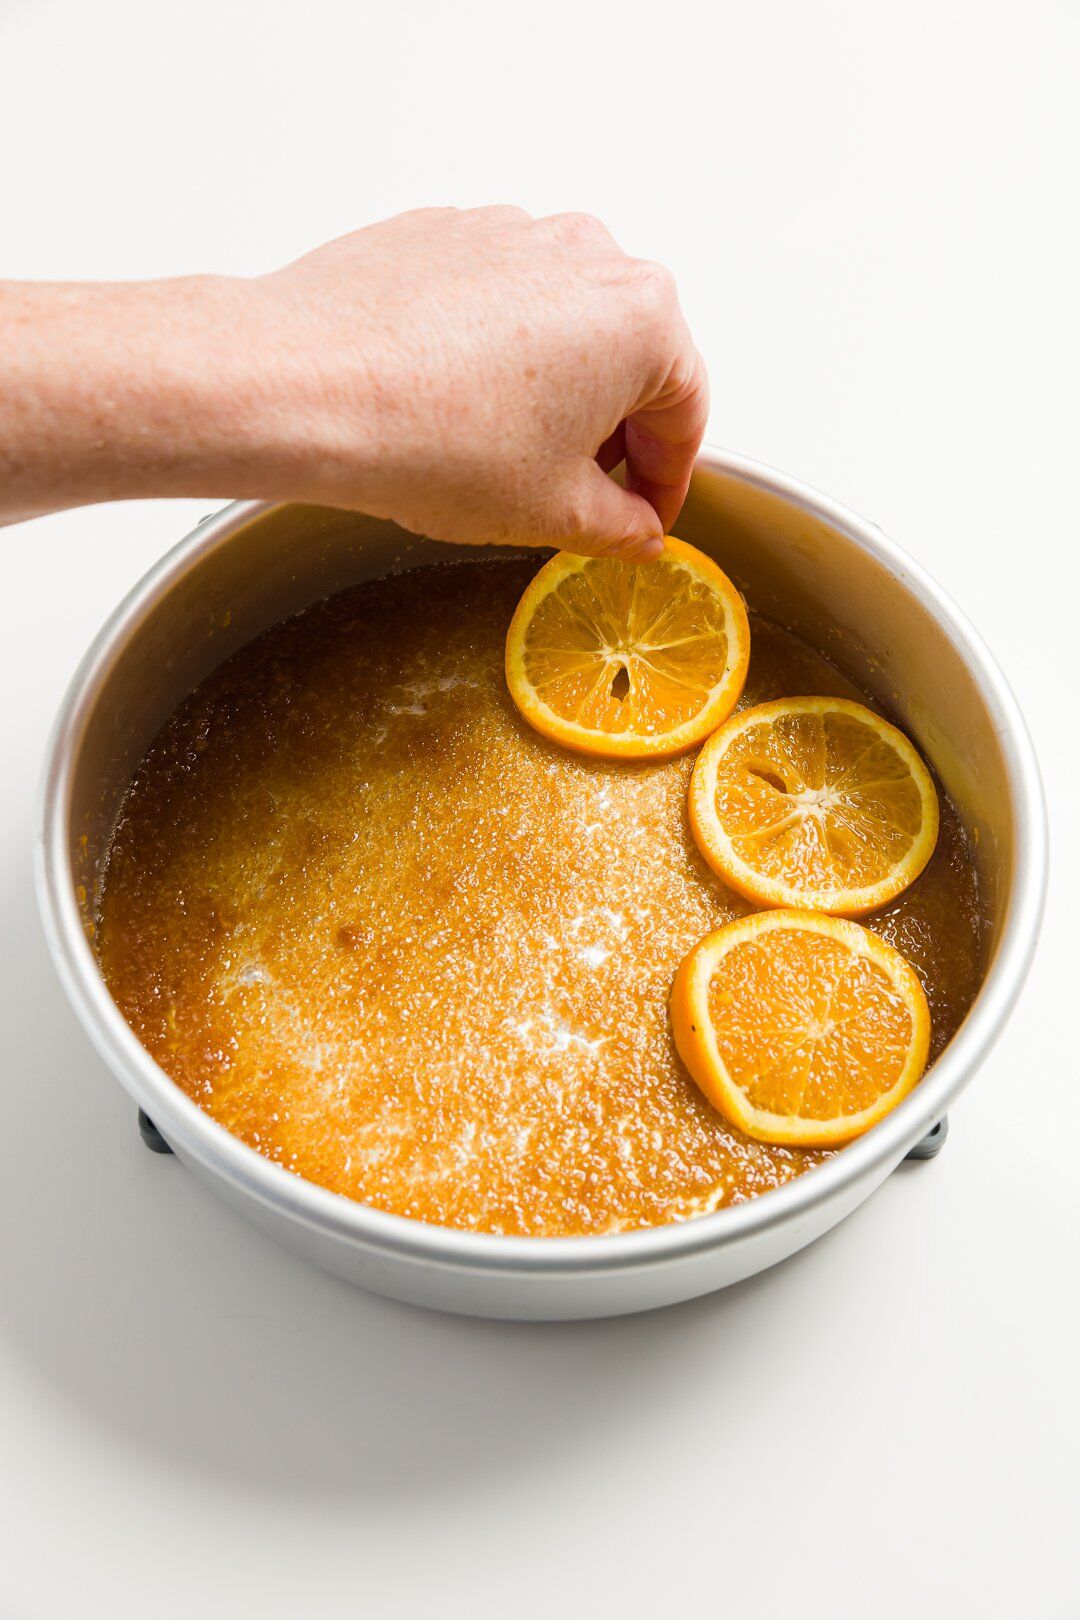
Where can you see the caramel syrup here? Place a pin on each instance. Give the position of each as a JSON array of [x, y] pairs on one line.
[[412, 951]]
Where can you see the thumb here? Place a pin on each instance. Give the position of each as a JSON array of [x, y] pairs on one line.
[[608, 521]]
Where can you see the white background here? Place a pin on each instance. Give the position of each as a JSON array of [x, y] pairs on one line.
[[870, 209]]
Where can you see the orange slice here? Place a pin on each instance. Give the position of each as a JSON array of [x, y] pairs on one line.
[[801, 1029], [628, 660], [813, 802]]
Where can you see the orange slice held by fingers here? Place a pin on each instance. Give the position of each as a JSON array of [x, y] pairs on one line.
[[628, 660], [801, 1029], [813, 802]]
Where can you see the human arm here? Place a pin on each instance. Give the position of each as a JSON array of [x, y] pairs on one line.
[[469, 374]]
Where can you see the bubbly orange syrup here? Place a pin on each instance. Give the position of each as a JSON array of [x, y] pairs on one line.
[[410, 950]]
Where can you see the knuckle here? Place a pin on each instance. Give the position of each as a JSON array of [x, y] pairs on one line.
[[685, 382], [579, 525], [575, 517], [500, 213], [413, 217], [580, 228], [655, 282]]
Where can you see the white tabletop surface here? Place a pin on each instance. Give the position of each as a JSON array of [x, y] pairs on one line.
[[871, 211]]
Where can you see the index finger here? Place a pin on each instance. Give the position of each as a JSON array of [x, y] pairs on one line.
[[663, 436]]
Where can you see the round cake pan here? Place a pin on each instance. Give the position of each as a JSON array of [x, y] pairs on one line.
[[807, 563]]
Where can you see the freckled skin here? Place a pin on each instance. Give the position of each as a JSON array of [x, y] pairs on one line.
[[409, 949]]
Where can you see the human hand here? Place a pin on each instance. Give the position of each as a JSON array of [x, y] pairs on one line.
[[474, 375]]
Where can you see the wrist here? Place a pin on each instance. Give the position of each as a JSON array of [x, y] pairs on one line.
[[184, 410], [306, 405]]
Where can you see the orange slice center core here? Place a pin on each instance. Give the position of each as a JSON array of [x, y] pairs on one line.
[[817, 799]]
